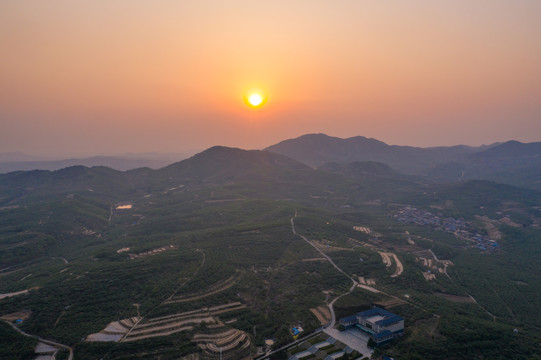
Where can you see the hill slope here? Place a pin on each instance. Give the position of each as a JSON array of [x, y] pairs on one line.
[[512, 162], [317, 149], [95, 246]]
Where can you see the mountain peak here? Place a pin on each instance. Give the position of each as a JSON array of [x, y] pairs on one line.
[[512, 148], [221, 162], [318, 149]]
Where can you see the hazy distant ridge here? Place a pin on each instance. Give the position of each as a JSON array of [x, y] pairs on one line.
[[511, 162], [17, 161], [317, 149]]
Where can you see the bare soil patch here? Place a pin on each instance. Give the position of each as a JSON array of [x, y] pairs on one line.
[[508, 221], [16, 293], [386, 258], [137, 328], [428, 276], [364, 281], [322, 313], [213, 289], [152, 252], [456, 298], [124, 207], [223, 343], [519, 282], [369, 288], [23, 315], [389, 303], [223, 200], [42, 348], [114, 331], [491, 226], [363, 229], [327, 246]]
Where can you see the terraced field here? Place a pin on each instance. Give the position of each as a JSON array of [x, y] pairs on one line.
[[216, 337], [213, 289], [322, 313], [115, 330], [225, 344], [386, 258], [137, 328]]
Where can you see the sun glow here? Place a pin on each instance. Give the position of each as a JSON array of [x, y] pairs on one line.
[[255, 99]]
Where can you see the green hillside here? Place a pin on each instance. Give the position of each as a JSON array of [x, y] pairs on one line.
[[204, 248]]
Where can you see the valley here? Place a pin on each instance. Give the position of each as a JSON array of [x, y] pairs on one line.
[[229, 249]]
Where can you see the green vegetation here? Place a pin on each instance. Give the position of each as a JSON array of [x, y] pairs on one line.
[[207, 233], [168, 347], [14, 345]]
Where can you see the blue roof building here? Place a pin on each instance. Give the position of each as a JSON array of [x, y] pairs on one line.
[[382, 325]]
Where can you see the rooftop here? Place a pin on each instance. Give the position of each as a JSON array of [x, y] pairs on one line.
[[380, 316]]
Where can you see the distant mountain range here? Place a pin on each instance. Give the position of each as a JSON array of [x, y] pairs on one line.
[[227, 220], [17, 161], [511, 162], [254, 171], [318, 149]]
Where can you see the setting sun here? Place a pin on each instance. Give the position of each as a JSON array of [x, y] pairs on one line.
[[255, 99]]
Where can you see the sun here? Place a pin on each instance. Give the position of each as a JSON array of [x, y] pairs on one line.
[[255, 98]]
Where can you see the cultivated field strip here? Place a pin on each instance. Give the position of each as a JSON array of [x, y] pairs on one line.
[[177, 319], [386, 258], [162, 333], [114, 331], [224, 342], [322, 314], [167, 325], [240, 307], [159, 328], [135, 328], [389, 303], [215, 337], [213, 289]]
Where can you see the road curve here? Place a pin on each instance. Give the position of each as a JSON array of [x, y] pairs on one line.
[[353, 286], [355, 283], [49, 342]]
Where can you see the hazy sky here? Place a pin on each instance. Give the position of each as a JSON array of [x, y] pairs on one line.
[[105, 77]]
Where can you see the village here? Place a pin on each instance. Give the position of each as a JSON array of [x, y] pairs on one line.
[[459, 227]]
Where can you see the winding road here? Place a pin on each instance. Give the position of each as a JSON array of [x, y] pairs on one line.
[[355, 283], [330, 325], [45, 341]]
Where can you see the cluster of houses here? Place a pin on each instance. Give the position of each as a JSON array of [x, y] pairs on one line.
[[459, 227]]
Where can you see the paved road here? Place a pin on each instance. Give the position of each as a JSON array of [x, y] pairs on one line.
[[353, 286], [299, 340], [355, 283], [353, 338], [355, 341], [49, 342], [318, 250]]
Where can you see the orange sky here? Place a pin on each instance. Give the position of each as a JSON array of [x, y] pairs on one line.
[[108, 77]]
